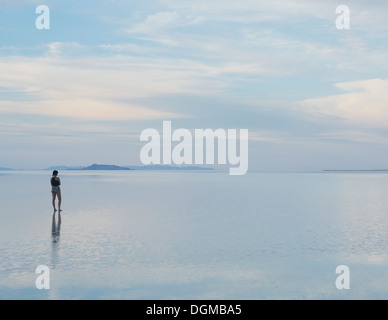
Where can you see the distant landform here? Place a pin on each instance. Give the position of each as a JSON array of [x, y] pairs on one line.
[[161, 167], [339, 170], [65, 168], [104, 167], [114, 167]]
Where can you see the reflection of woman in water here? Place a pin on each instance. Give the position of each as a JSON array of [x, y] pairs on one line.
[[56, 190]]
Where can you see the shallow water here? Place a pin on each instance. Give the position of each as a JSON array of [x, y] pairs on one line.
[[195, 235]]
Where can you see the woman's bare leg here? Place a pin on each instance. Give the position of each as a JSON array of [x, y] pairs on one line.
[[54, 196], [59, 201]]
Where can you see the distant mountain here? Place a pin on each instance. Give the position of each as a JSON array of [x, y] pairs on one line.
[[65, 168], [114, 167], [104, 167], [161, 167], [6, 169], [350, 170]]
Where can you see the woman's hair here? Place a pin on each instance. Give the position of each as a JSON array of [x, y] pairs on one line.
[[55, 173]]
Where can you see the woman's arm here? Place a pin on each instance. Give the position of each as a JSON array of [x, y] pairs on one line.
[[59, 180]]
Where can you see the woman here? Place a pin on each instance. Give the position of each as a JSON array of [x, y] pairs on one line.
[[56, 190]]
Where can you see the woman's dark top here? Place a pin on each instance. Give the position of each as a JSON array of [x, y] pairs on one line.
[[54, 183]]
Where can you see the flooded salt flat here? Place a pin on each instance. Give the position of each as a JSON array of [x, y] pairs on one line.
[[194, 235]]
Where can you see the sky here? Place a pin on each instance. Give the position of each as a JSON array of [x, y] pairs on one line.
[[312, 96]]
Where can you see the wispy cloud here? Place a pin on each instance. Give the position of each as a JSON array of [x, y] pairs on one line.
[[357, 136], [99, 88], [365, 103], [83, 109], [155, 23], [63, 48], [200, 63]]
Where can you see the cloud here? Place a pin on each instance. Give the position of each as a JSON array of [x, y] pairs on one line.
[[155, 23], [246, 11], [364, 15], [162, 27], [61, 48], [101, 87], [84, 109], [265, 136], [365, 103], [276, 38], [126, 48], [356, 136]]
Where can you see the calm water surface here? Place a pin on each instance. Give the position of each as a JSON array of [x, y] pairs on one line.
[[195, 235]]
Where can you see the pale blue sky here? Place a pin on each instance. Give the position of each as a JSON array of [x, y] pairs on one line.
[[312, 96]]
